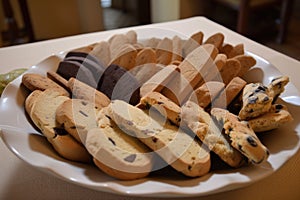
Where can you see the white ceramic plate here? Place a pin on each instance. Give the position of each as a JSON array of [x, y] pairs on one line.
[[30, 146]]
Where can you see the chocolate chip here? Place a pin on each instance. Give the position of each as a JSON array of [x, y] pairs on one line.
[[159, 102], [278, 107], [60, 131], [83, 113], [112, 141], [108, 117], [130, 123], [274, 79], [130, 158], [266, 99], [252, 100], [189, 167], [147, 132], [84, 103], [251, 141], [154, 139], [261, 88]]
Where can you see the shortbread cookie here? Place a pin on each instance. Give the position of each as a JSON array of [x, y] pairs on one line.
[[192, 43], [146, 65], [83, 91], [205, 94], [125, 57], [77, 116], [58, 79], [213, 74], [177, 49], [246, 62], [196, 64], [180, 150], [236, 51], [232, 90], [117, 153], [241, 135], [229, 70], [256, 101], [40, 82], [118, 83], [216, 39], [43, 114], [131, 36], [164, 51], [102, 51], [200, 122], [159, 80], [276, 117], [152, 42], [276, 87], [226, 49], [163, 105]]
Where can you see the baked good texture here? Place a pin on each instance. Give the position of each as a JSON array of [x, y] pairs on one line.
[[256, 101], [117, 153], [275, 118], [208, 131], [43, 114], [183, 152], [241, 135]]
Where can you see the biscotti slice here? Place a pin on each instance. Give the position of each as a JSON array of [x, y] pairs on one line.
[[117, 153], [257, 100], [277, 85], [205, 94], [180, 150], [40, 82], [83, 91], [200, 122], [77, 117], [275, 118], [241, 135], [192, 68], [163, 105], [43, 114]]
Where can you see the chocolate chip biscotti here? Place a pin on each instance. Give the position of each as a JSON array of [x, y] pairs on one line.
[[183, 152]]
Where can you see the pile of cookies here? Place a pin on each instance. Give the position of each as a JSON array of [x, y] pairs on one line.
[[134, 107]]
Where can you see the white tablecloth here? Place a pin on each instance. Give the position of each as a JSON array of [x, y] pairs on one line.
[[19, 180]]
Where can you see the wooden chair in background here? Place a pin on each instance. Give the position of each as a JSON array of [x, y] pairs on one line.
[[245, 7], [13, 33]]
